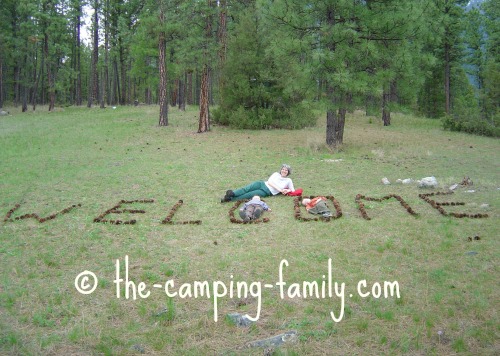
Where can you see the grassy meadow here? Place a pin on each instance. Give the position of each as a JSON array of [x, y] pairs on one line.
[[449, 287]]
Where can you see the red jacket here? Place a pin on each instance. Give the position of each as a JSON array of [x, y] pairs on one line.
[[313, 202]]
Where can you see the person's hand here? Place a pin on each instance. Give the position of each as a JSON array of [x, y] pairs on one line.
[[269, 209]]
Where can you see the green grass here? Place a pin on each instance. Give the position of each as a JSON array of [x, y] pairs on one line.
[[96, 158]]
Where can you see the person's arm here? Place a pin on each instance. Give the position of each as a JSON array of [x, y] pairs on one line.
[[274, 186], [289, 188]]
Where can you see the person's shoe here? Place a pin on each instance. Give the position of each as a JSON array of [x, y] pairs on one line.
[[228, 196], [327, 215]]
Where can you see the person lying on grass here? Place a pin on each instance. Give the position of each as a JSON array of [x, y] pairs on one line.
[[253, 209], [278, 183], [317, 206]]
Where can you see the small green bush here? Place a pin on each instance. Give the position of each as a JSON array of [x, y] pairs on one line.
[[476, 127], [296, 117]]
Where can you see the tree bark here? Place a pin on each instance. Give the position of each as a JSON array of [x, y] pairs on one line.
[[222, 39], [78, 67], [386, 112], [162, 49], [204, 121], [123, 74], [181, 98], [335, 123], [95, 54], [104, 96], [50, 79], [447, 77], [175, 92], [189, 88]]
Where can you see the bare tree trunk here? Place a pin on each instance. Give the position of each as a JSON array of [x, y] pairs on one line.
[[175, 92], [123, 74], [181, 97], [24, 91], [335, 123], [52, 94], [95, 54], [222, 39], [162, 48], [104, 96], [17, 82], [78, 67], [36, 79], [447, 77], [189, 88], [204, 121], [116, 83], [386, 112]]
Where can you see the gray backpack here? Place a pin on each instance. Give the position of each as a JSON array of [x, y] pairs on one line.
[[251, 212]]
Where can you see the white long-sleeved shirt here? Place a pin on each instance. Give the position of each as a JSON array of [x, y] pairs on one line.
[[280, 182]]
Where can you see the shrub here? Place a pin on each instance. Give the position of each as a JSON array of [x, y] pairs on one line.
[[294, 117], [472, 126]]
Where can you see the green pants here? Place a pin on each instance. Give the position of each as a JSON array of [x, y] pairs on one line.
[[255, 188], [320, 208]]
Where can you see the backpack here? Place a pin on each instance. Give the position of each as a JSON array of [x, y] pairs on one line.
[[251, 212]]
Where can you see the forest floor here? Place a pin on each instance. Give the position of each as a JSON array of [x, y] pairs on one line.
[[394, 284]]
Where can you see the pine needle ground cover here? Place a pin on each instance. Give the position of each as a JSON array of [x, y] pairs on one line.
[[110, 192]]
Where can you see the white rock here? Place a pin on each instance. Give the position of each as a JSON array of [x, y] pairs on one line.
[[453, 187], [385, 181], [428, 182], [407, 181]]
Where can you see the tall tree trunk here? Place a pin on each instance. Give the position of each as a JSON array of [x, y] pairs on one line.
[[116, 83], [386, 112], [222, 39], [17, 84], [335, 123], [189, 88], [50, 79], [175, 92], [162, 49], [104, 96], [204, 121], [24, 90], [123, 74], [78, 67], [447, 71], [182, 95], [95, 56], [36, 79]]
